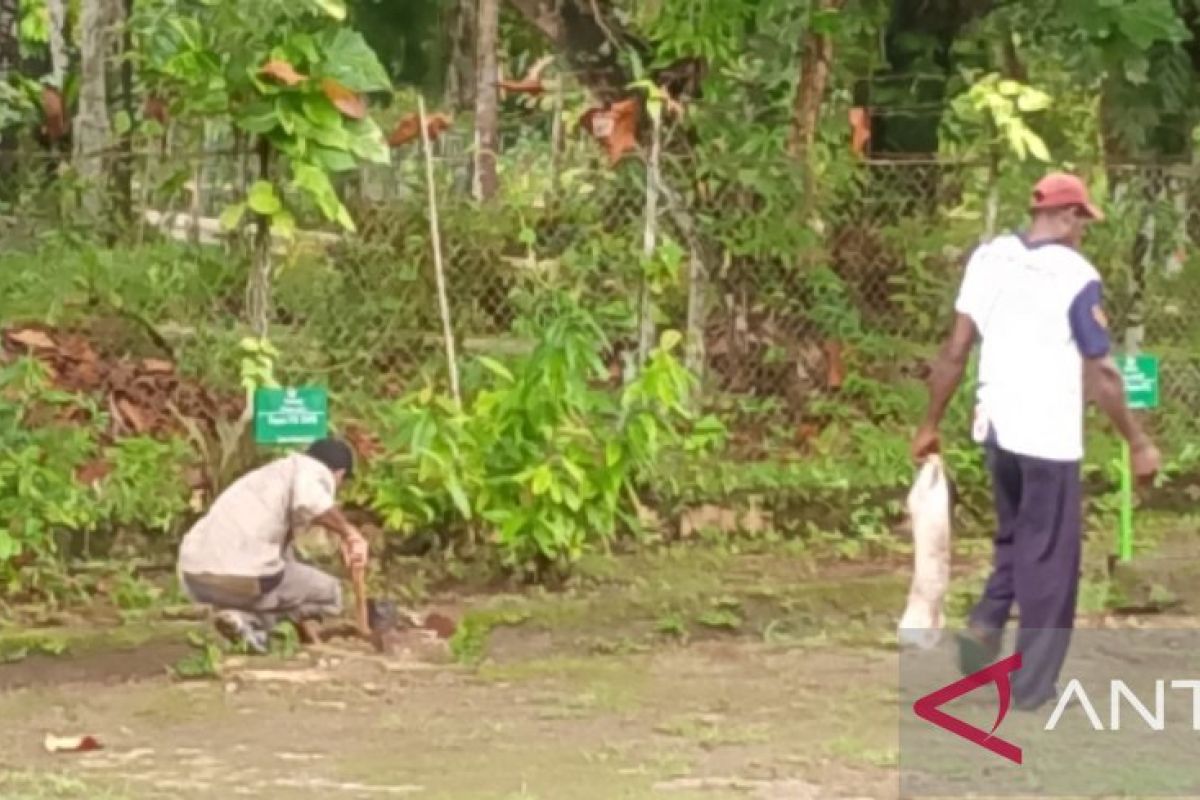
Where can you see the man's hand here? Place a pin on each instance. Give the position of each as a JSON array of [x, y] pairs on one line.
[[355, 550], [1145, 460], [925, 443]]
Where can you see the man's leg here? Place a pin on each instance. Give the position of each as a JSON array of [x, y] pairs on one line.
[[981, 644], [306, 594], [232, 598], [1049, 542]]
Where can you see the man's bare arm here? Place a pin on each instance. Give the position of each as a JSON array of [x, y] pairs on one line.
[[1106, 387], [948, 369], [335, 521]]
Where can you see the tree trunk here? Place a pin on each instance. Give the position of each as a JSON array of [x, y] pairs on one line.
[[91, 128], [59, 65], [810, 91], [10, 61], [487, 112], [460, 74], [124, 172]]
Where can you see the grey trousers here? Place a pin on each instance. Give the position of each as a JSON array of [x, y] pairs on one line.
[[300, 593]]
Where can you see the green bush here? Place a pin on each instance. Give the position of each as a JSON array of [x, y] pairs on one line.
[[46, 438], [546, 460]]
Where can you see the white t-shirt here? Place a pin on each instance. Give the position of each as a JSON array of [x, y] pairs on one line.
[[248, 526], [1038, 311]]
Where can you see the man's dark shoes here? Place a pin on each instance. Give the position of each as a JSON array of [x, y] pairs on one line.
[[977, 649]]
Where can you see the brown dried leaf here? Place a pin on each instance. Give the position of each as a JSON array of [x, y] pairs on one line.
[[93, 471], [33, 339], [133, 416], [157, 366], [54, 114], [860, 130], [409, 128], [345, 100], [282, 71]]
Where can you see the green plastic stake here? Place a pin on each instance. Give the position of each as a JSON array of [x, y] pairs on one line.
[[1125, 527]]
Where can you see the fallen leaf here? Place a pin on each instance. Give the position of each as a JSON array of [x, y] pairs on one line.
[[93, 471], [441, 624], [531, 82], [133, 416], [409, 128], [615, 127], [282, 71], [70, 744], [155, 108], [346, 100], [33, 339], [836, 369], [54, 114], [860, 130], [157, 366]]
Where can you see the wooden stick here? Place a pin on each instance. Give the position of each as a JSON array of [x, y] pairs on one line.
[[358, 575], [443, 303]]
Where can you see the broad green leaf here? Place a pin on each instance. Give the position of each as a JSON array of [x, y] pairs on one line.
[[284, 224], [262, 199], [320, 111], [348, 59], [541, 480], [332, 160], [231, 217], [1009, 88], [1031, 100], [343, 218], [315, 182], [367, 142], [258, 118], [1036, 146]]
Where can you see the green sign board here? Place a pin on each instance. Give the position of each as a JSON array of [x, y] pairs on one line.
[[290, 416], [1141, 380]]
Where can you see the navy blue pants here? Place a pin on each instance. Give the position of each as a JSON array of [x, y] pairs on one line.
[[1039, 538]]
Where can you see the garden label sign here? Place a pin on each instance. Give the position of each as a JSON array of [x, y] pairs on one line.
[[290, 416], [1140, 373]]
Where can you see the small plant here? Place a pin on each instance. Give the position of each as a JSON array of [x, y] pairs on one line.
[[204, 664]]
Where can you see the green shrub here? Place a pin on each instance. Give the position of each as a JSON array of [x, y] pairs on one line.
[[546, 460]]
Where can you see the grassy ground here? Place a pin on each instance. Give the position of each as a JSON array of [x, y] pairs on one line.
[[695, 673]]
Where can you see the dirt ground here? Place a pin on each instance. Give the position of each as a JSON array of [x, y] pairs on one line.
[[699, 676]]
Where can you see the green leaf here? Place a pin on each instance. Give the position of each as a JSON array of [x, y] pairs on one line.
[[258, 118], [332, 160], [316, 184], [541, 480], [1031, 100], [262, 199], [320, 111], [349, 60], [1037, 147], [343, 218], [459, 497], [367, 142], [284, 224], [497, 368], [670, 340], [231, 217], [334, 8]]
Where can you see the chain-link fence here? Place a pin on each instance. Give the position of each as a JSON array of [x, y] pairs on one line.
[[792, 306]]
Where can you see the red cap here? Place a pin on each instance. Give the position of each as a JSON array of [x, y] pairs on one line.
[[1059, 189]]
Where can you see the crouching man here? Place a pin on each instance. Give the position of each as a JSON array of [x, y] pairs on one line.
[[239, 558]]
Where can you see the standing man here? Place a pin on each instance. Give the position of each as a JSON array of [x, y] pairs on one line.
[[239, 558], [1036, 304]]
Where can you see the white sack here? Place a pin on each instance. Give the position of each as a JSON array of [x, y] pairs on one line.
[[929, 512]]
